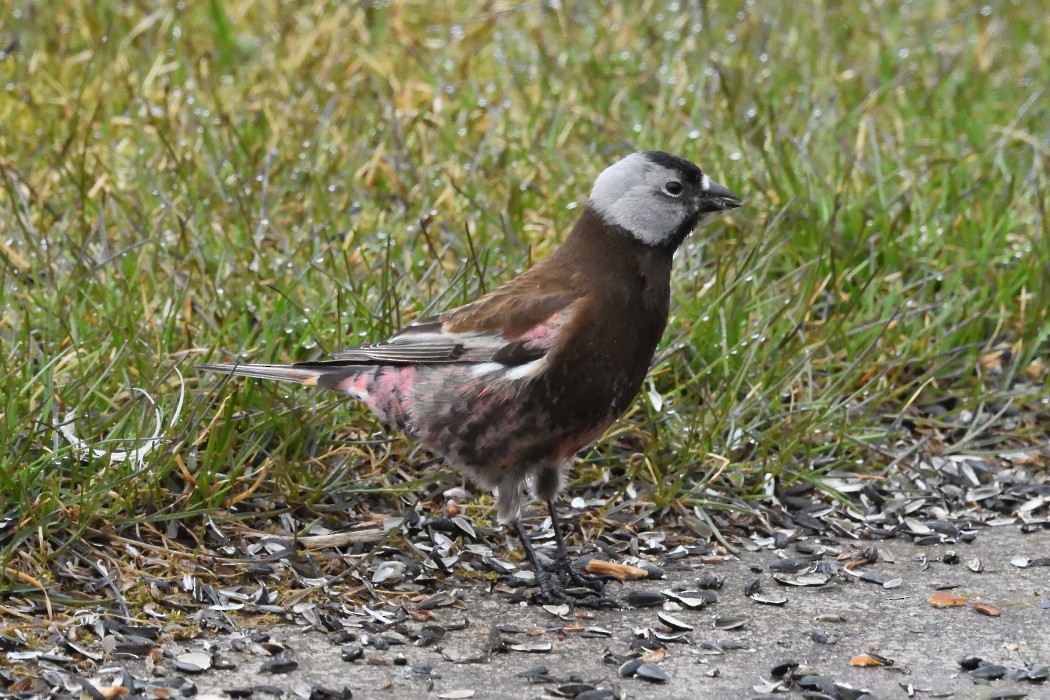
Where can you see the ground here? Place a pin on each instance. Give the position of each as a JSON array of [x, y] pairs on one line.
[[922, 645]]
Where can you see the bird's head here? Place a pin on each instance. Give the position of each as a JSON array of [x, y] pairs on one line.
[[657, 198]]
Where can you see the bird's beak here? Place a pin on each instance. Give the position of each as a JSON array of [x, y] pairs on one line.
[[717, 198]]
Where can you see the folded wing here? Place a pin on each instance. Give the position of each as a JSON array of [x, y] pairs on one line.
[[508, 329]]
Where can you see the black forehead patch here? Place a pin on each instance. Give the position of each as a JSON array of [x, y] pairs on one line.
[[689, 171]]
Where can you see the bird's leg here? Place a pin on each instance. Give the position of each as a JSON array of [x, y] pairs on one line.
[[585, 591], [565, 570], [549, 591]]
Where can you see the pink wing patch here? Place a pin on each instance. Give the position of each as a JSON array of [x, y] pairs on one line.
[[543, 336]]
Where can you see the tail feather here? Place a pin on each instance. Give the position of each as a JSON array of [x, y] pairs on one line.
[[385, 390], [281, 373]]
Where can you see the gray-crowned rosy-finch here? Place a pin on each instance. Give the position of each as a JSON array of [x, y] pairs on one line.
[[510, 387]]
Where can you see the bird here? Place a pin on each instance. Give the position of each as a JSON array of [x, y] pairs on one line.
[[510, 387]]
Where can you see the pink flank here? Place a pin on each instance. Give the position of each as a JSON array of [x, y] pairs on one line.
[[388, 395], [357, 385]]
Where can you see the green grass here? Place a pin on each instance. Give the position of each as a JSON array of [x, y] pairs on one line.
[[249, 179]]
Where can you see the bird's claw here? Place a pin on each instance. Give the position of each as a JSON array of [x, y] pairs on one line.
[[586, 593], [570, 575]]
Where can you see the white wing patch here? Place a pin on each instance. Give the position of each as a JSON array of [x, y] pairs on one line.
[[529, 370], [483, 368]]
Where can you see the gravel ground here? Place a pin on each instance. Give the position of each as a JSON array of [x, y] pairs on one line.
[[498, 653]]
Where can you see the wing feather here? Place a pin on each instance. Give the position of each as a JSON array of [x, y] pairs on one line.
[[507, 329]]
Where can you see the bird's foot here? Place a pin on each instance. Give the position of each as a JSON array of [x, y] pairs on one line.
[[562, 585], [571, 577], [575, 590]]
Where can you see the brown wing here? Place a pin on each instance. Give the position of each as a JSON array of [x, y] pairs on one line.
[[512, 325]]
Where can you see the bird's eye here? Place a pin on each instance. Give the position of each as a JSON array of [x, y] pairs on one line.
[[673, 188]]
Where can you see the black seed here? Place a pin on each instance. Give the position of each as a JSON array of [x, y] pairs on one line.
[[628, 667], [595, 632], [571, 690], [89, 689], [268, 689], [1007, 694], [133, 644], [187, 667], [673, 622], [643, 599], [496, 565], [238, 692], [352, 652], [847, 693], [783, 667], [597, 694], [221, 663], [185, 687], [282, 663], [646, 645], [818, 683], [8, 643], [986, 671], [653, 572], [429, 634], [128, 681], [326, 694], [821, 636], [650, 672], [729, 622], [969, 663]]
